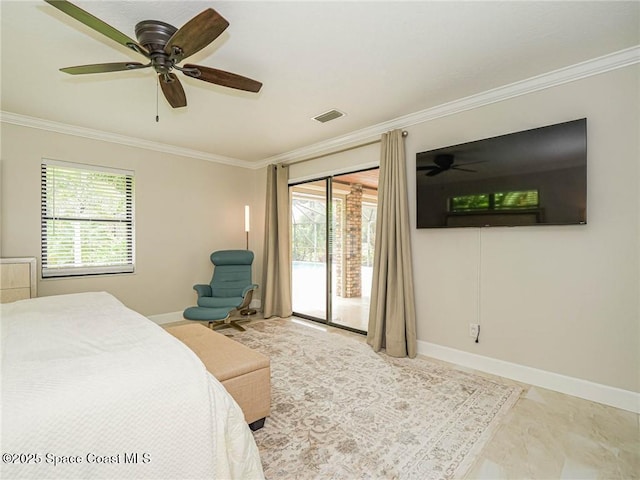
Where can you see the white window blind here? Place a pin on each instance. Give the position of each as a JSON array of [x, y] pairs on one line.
[[87, 222]]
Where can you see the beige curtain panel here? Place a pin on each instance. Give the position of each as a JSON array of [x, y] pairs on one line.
[[276, 277], [392, 314]]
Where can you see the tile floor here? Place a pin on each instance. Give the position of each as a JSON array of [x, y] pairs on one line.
[[550, 435]]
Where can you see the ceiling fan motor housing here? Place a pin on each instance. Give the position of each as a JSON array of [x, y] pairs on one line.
[[154, 35], [444, 160]]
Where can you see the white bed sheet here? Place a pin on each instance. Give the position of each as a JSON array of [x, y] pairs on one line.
[[92, 389]]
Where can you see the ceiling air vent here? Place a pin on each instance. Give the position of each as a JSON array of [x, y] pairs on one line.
[[328, 116]]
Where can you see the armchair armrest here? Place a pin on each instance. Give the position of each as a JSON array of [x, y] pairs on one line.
[[249, 288], [247, 296], [203, 290]]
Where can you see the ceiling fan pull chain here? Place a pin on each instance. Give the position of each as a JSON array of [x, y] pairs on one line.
[[157, 116]]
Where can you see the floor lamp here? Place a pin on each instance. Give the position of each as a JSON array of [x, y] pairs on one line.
[[247, 223]]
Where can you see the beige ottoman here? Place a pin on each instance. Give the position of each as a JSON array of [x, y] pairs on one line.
[[245, 373]]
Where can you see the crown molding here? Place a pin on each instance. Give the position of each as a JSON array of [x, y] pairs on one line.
[[603, 64], [66, 129]]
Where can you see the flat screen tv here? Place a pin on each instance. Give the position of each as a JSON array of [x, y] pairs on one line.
[[533, 177]]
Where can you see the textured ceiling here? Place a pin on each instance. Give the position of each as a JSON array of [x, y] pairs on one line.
[[376, 61]]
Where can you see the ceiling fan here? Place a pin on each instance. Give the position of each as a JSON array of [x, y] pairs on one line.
[[164, 46], [444, 162]]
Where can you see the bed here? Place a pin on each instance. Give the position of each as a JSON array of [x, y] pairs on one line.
[[92, 389]]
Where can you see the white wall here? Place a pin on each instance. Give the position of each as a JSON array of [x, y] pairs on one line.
[[185, 209], [560, 299]]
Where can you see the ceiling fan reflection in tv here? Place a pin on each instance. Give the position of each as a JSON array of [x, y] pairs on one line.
[[446, 161], [532, 177]]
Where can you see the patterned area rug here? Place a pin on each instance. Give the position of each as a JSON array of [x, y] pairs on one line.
[[341, 411]]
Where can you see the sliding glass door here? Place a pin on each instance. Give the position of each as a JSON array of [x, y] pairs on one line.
[[333, 234], [309, 249]]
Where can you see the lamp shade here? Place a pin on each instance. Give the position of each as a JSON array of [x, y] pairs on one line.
[[246, 218]]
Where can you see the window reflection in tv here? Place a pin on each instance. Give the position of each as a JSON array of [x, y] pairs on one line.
[[533, 177]]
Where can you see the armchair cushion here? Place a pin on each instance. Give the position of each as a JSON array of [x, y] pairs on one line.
[[206, 314], [220, 302], [232, 272]]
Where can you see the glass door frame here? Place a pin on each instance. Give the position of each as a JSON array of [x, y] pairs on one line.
[[329, 260], [329, 254]]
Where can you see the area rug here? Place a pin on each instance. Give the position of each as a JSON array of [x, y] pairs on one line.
[[341, 411]]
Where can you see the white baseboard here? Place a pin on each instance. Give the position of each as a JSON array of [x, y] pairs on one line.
[[255, 303], [596, 392], [163, 318]]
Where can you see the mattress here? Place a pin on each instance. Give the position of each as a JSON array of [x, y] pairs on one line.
[[92, 389]]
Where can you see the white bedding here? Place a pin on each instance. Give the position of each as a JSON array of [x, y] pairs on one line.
[[91, 389]]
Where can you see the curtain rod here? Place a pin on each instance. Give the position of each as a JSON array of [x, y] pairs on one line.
[[404, 134]]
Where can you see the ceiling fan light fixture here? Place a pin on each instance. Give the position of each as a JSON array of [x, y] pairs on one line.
[[328, 116]]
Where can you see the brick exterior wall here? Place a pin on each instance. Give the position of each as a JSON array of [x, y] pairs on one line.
[[352, 286]]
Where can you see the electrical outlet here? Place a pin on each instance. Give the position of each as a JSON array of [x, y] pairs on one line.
[[473, 329]]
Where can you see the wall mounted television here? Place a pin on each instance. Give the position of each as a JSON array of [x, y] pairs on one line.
[[533, 177]]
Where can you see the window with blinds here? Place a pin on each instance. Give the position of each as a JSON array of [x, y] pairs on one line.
[[87, 222]]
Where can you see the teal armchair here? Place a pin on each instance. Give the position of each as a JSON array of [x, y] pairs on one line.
[[230, 290]]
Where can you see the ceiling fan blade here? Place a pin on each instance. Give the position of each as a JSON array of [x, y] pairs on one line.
[[433, 173], [196, 34], [471, 163], [98, 25], [172, 89], [103, 68], [220, 77]]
